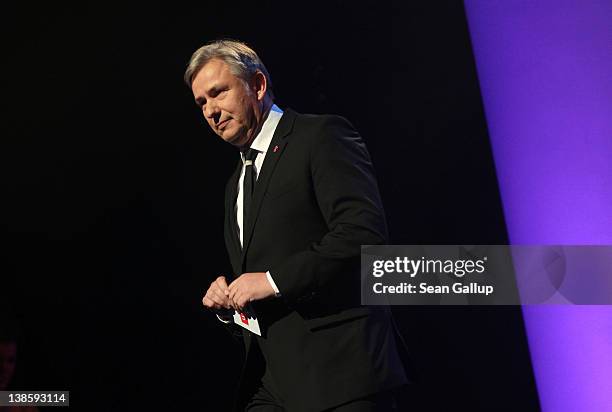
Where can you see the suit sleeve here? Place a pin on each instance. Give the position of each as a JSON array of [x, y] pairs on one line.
[[348, 198]]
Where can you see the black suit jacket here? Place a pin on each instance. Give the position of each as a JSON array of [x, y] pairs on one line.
[[316, 201]]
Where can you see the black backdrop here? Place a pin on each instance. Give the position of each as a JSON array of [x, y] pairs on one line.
[[112, 190]]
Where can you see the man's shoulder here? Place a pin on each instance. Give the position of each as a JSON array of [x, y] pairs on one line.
[[313, 119], [320, 124]]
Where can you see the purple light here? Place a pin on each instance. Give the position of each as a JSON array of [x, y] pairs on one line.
[[545, 71]]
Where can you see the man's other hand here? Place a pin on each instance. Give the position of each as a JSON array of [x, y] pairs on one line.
[[217, 295], [249, 287]]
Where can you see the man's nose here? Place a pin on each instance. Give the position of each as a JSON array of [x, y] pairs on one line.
[[211, 111]]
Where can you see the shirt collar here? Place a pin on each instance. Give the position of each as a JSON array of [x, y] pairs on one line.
[[264, 137]]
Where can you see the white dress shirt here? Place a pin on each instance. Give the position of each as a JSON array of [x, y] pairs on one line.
[[261, 143]]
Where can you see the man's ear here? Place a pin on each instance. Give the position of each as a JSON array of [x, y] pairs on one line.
[[260, 85]]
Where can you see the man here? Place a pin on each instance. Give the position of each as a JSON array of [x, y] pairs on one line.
[[8, 363], [301, 201], [8, 360]]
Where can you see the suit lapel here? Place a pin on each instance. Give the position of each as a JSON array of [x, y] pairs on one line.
[[274, 153]]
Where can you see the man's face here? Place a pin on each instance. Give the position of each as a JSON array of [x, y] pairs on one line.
[[8, 359], [232, 108]]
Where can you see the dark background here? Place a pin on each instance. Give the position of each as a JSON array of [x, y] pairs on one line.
[[112, 191]]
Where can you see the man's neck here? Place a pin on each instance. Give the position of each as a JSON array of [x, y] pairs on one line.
[[267, 106]]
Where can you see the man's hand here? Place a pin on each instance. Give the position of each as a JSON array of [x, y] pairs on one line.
[[249, 287], [217, 295]]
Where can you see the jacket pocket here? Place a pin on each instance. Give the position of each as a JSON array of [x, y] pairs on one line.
[[277, 191], [336, 319]]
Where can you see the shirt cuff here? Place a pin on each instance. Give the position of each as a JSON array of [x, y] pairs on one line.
[[269, 276]]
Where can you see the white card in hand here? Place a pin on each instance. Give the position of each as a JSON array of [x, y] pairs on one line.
[[247, 320]]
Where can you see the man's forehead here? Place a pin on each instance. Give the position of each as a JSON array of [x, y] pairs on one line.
[[212, 71]]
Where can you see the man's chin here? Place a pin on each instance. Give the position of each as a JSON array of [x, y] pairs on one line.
[[234, 139]]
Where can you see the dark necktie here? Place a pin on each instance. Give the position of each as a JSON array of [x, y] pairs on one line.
[[248, 186]]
